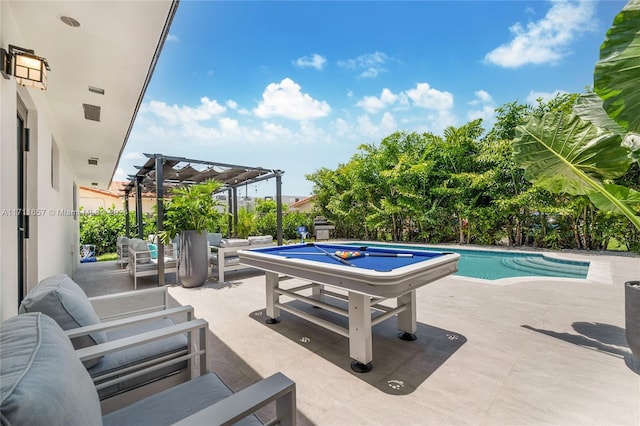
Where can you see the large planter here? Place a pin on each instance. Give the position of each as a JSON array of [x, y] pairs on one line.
[[632, 316], [194, 259]]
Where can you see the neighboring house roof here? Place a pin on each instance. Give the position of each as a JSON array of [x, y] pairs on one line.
[[116, 190], [302, 202]]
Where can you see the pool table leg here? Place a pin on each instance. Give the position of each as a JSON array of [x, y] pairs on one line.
[[273, 297], [407, 318], [360, 347]]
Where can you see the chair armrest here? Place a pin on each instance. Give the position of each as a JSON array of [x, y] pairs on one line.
[[195, 353], [129, 303], [129, 321], [95, 351], [231, 409]]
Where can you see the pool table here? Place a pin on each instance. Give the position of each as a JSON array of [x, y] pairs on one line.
[[368, 276]]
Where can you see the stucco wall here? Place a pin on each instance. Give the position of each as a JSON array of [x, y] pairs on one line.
[[53, 234]]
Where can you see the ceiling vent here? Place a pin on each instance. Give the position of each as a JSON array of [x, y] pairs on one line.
[[97, 90], [91, 112], [93, 161]]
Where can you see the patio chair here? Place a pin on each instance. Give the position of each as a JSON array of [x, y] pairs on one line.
[[122, 250], [42, 381], [125, 315], [143, 262]]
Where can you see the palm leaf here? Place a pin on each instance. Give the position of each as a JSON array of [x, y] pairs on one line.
[[617, 75]]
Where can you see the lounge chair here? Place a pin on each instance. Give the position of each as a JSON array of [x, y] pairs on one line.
[[122, 375], [42, 381]]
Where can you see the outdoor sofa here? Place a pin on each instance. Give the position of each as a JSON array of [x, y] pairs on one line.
[[43, 381], [135, 369], [223, 252]]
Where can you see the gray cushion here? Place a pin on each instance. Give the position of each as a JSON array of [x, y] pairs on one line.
[[42, 381], [260, 239], [234, 242], [214, 239], [63, 300], [174, 404], [138, 354], [143, 255]]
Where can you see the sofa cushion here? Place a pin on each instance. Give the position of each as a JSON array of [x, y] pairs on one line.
[[161, 408], [260, 239], [234, 242], [59, 297], [42, 381], [142, 250]]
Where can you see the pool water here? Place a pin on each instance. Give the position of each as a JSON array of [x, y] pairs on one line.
[[494, 265]]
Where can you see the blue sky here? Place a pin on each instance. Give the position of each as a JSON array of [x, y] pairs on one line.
[[298, 86]]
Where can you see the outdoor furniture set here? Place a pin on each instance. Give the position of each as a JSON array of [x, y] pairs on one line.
[[223, 252], [118, 359]]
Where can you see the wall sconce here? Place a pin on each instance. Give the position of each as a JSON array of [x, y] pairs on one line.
[[28, 69]]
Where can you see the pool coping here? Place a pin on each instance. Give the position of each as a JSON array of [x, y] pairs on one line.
[[599, 271]]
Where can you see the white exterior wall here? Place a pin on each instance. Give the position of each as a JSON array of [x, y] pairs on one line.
[[52, 246]]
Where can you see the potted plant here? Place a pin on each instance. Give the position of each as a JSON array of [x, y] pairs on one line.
[[581, 153], [191, 212]]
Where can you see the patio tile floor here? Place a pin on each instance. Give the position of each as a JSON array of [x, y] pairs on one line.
[[531, 352]]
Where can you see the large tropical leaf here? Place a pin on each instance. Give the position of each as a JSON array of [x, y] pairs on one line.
[[617, 75], [628, 196], [589, 107], [632, 141], [563, 153]]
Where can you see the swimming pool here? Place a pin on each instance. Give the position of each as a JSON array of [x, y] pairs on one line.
[[494, 265]]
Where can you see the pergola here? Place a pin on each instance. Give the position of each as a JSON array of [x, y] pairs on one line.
[[162, 172]]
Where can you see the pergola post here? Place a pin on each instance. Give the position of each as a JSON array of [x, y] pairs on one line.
[[139, 206], [235, 211], [127, 222], [279, 206], [160, 210], [230, 210]]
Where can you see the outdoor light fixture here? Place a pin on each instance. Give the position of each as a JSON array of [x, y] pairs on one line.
[[28, 69]]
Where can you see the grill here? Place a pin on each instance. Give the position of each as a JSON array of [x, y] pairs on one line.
[[321, 228]]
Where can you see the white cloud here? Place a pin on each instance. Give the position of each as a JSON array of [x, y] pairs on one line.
[[533, 96], [120, 175], [373, 104], [371, 64], [231, 104], [172, 38], [285, 99], [313, 61], [424, 96], [486, 113], [547, 40], [482, 97], [487, 108], [175, 115]]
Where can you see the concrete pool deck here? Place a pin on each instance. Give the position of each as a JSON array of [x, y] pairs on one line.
[[528, 352]]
